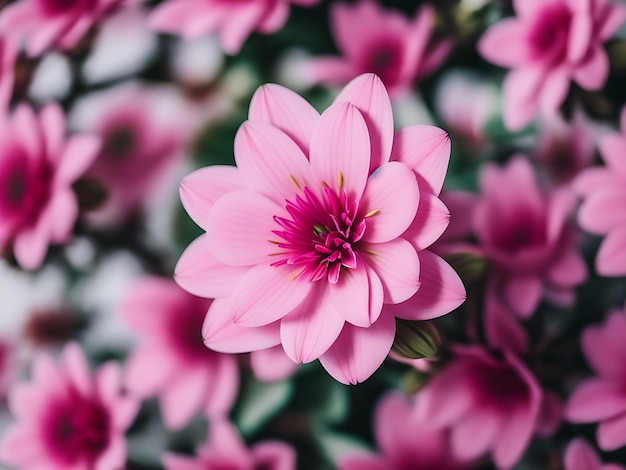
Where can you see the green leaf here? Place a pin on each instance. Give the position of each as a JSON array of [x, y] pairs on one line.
[[259, 402]]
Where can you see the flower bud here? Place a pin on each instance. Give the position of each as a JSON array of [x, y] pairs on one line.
[[416, 339]]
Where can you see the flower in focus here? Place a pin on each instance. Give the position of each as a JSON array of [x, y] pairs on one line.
[[189, 376], [524, 234], [603, 211], [37, 169], [225, 449], [233, 21], [579, 455], [383, 42], [550, 44], [603, 398], [491, 405], [316, 241], [68, 418], [406, 441]]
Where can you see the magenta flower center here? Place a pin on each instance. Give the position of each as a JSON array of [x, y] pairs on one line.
[[184, 331], [384, 58], [119, 144], [525, 231], [60, 7], [548, 37], [76, 429], [322, 234], [499, 386]]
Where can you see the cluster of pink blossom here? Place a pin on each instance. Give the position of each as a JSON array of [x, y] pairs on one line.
[[200, 199]]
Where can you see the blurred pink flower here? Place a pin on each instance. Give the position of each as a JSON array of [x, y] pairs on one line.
[[579, 455], [313, 240], [45, 24], [491, 405], [380, 41], [524, 234], [549, 44], [68, 418], [406, 441], [38, 166], [603, 398], [225, 449], [602, 211], [171, 360], [8, 56], [232, 20]]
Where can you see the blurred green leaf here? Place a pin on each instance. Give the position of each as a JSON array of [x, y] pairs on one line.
[[259, 402]]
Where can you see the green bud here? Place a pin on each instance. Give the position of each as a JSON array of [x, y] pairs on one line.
[[469, 266], [416, 339]]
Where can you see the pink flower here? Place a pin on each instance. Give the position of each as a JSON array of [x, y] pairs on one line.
[[548, 45], [383, 42], [172, 361], [68, 418], [37, 169], [524, 234], [232, 20], [579, 455], [406, 441], [603, 398], [225, 449], [490, 404], [602, 211], [316, 241], [43, 24]]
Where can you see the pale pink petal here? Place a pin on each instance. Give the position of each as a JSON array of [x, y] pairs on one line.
[[431, 220], [392, 409], [554, 90], [331, 70], [141, 377], [595, 400], [182, 397], [80, 152], [358, 352], [615, 14], [45, 35], [348, 38], [391, 197], [225, 440], [53, 122], [426, 150], [282, 108], [200, 189], [31, 245], [523, 294], [612, 433], [599, 213], [114, 456], [592, 179], [223, 386], [593, 72], [275, 19], [238, 27], [612, 148], [508, 31], [27, 130], [275, 455], [580, 36], [76, 368], [475, 434], [569, 270], [527, 8], [369, 95], [272, 364], [358, 295], [579, 455], [64, 210], [611, 258], [340, 149], [240, 226], [270, 162], [266, 294], [521, 95], [608, 360]]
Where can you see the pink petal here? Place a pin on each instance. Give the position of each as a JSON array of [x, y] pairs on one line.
[[426, 150], [392, 195], [595, 400], [431, 220], [272, 364], [614, 17], [27, 130], [362, 462], [593, 72], [579, 455], [612, 433], [76, 368], [440, 292], [397, 265], [340, 149], [612, 149], [275, 455], [45, 35], [64, 212], [472, 436], [599, 213], [240, 226], [392, 409], [523, 294], [80, 152], [200, 189], [223, 386], [502, 329], [358, 352], [182, 397], [580, 35], [521, 88], [569, 270], [141, 377], [527, 8], [270, 162], [308, 332], [53, 124], [238, 27], [550, 415], [275, 19], [179, 462], [199, 273], [508, 31], [611, 258], [331, 70], [343, 19], [358, 295], [266, 294], [114, 456], [222, 334], [554, 90], [169, 16], [369, 95], [592, 179], [607, 360], [282, 108]]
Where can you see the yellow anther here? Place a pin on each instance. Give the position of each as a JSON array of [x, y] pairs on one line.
[[371, 213]]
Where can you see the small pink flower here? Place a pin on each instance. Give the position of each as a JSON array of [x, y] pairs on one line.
[[172, 361], [225, 449], [579, 455], [490, 404], [603, 210], [316, 241], [68, 418], [406, 441], [232, 20], [548, 45], [373, 39], [524, 234], [38, 166], [603, 398]]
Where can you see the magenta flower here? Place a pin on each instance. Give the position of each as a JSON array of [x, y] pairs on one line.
[[524, 234], [491, 405], [373, 39], [603, 398], [602, 211], [225, 449], [406, 441], [316, 241], [171, 361], [579, 455], [550, 44], [37, 169], [233, 21], [68, 418]]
